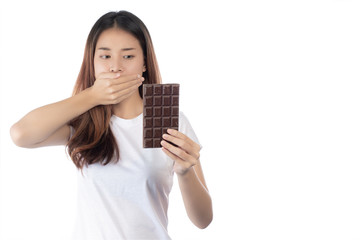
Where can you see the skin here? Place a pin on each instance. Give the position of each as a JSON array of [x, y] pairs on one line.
[[119, 64]]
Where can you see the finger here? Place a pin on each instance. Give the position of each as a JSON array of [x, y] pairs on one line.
[[178, 152], [124, 93], [129, 78], [126, 85], [176, 158], [177, 134], [184, 142], [180, 135], [171, 155], [191, 148], [185, 164], [116, 78], [178, 141], [181, 166], [109, 75]]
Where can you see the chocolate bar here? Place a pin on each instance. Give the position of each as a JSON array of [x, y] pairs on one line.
[[161, 112]]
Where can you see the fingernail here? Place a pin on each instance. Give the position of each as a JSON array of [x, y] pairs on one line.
[[165, 136]]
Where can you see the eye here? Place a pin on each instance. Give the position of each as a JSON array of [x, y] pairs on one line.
[[129, 56], [105, 56]]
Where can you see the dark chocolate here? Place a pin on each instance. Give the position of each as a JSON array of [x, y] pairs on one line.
[[161, 112]]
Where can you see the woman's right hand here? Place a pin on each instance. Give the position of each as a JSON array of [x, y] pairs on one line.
[[112, 88], [47, 125]]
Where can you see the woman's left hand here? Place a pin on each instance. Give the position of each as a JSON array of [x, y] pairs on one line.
[[186, 153]]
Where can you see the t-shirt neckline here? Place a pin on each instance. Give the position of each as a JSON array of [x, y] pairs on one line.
[[130, 121]]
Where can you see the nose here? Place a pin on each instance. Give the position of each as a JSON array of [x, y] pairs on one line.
[[116, 66]]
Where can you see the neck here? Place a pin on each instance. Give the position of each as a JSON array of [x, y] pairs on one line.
[[130, 107]]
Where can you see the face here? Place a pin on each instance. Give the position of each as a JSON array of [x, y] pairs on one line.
[[118, 51]]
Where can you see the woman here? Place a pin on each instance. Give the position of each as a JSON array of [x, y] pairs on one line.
[[123, 189]]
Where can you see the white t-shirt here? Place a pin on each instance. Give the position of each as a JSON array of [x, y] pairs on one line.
[[127, 199]]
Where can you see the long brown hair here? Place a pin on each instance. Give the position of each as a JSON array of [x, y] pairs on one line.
[[92, 140]]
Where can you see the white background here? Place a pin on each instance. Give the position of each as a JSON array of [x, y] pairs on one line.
[[270, 87]]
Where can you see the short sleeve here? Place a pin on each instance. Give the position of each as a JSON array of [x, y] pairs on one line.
[[185, 128]]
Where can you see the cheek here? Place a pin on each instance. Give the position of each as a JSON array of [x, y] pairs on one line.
[[137, 67], [100, 67]]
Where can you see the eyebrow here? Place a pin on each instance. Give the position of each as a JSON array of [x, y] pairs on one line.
[[108, 49]]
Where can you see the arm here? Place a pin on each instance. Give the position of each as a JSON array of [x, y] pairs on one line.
[[192, 184], [196, 197], [47, 125]]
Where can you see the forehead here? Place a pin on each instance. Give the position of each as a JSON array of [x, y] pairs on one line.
[[115, 38]]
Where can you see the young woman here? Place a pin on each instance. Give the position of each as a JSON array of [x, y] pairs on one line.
[[123, 189]]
